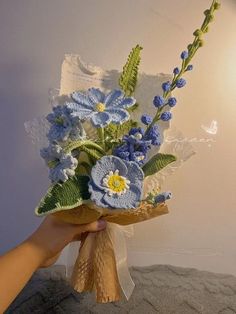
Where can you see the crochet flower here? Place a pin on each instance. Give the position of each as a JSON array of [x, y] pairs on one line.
[[189, 67], [62, 166], [136, 145], [162, 197], [157, 198], [176, 70], [154, 135], [146, 119], [166, 86], [158, 101], [172, 101], [63, 126], [166, 116], [116, 183], [184, 55], [101, 109], [181, 82]]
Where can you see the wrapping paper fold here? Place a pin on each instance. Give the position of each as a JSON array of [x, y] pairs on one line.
[[101, 265]]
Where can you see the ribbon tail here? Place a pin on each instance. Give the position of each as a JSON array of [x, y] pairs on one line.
[[71, 256], [117, 236]]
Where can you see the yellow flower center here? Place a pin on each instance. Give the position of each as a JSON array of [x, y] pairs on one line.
[[100, 107], [115, 183]]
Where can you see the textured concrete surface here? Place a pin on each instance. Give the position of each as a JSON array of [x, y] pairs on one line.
[[159, 289]]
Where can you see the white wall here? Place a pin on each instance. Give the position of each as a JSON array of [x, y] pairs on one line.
[[35, 35]]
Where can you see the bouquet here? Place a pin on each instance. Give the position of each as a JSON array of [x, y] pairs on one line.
[[99, 158]]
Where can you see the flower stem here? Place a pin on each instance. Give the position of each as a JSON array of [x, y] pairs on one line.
[[101, 135]]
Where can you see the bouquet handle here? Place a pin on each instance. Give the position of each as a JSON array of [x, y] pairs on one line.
[[95, 268]]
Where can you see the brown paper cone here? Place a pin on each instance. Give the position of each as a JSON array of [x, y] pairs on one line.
[[88, 213], [83, 273], [95, 267]]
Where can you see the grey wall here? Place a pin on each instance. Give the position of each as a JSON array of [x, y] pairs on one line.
[[35, 35]]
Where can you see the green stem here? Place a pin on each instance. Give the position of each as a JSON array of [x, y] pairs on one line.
[[101, 135]]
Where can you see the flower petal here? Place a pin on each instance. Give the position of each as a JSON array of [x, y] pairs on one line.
[[96, 195], [77, 110], [135, 173], [130, 199], [113, 98], [78, 132], [69, 172], [58, 174], [127, 102], [103, 166], [100, 119], [118, 116], [82, 100], [96, 95], [68, 161], [58, 133], [52, 152]]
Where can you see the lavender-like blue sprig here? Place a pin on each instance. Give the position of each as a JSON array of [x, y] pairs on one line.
[[161, 101]]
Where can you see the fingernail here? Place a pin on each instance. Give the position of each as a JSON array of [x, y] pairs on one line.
[[101, 224]]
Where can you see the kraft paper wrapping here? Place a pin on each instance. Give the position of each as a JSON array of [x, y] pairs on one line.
[[95, 268]]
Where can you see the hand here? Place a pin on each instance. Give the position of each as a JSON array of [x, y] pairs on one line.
[[41, 249], [53, 235]]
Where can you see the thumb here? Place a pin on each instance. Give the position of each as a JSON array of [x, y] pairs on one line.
[[92, 227]]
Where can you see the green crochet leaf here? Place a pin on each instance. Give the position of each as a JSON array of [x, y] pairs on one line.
[[92, 152], [128, 78], [64, 196], [157, 162], [86, 146]]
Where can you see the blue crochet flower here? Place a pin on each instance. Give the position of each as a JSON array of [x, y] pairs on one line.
[[184, 55], [116, 183], [166, 116], [172, 101], [154, 198], [146, 119], [154, 135], [162, 197], [180, 82], [189, 67], [63, 126], [176, 70], [136, 145], [137, 132], [158, 101], [101, 109], [137, 142], [166, 86], [61, 165]]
